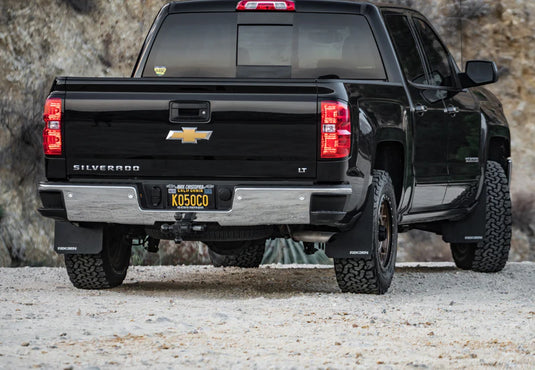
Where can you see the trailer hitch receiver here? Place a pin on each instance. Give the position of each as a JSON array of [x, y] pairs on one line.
[[184, 224]]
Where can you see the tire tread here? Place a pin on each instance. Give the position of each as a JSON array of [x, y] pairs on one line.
[[98, 271], [86, 271], [491, 255], [362, 275], [248, 257]]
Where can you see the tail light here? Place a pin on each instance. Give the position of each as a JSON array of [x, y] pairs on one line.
[[335, 130], [52, 141], [288, 6]]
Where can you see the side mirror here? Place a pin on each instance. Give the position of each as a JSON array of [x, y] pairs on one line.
[[478, 73]]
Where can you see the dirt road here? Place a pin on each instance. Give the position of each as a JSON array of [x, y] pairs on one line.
[[171, 317]]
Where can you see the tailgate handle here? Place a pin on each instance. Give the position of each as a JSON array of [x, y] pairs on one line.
[[189, 112]]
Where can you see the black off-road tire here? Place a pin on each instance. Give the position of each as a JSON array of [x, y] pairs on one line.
[[373, 274], [104, 270], [492, 253], [249, 256]]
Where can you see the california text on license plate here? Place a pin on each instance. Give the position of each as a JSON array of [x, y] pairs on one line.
[[196, 197]]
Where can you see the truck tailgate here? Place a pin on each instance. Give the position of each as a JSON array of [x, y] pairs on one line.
[[179, 129]]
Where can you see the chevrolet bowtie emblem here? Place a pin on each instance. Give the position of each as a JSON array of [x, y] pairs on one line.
[[189, 135]]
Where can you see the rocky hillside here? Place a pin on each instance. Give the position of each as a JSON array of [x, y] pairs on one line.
[[45, 38], [39, 40]]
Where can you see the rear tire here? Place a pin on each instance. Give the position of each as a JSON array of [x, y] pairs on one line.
[[250, 255], [492, 253], [373, 275], [104, 270]]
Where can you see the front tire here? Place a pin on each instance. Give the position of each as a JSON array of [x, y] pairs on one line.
[[492, 253], [106, 269], [373, 275], [249, 255]]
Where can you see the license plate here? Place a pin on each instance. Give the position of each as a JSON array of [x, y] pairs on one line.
[[190, 197]]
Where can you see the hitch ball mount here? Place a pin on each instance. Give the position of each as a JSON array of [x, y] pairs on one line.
[[182, 226]]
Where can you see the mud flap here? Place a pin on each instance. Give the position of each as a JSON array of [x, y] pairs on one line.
[[358, 241], [470, 229], [71, 239]]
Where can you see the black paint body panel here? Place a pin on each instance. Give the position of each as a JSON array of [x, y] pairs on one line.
[[258, 130]]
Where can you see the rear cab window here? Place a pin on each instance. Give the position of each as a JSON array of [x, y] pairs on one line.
[[312, 45]]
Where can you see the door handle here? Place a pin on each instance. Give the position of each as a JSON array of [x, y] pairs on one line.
[[451, 109], [420, 109], [189, 112]]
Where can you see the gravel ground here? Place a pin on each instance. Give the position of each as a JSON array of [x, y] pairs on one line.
[[280, 317]]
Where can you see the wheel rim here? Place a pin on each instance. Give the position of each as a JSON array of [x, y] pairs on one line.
[[384, 236]]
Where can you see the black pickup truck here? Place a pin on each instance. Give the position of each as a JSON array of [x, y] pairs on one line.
[[334, 123]]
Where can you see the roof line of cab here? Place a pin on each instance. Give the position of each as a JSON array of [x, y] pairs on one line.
[[320, 6]]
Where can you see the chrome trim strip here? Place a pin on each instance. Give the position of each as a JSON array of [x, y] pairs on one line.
[[251, 205]]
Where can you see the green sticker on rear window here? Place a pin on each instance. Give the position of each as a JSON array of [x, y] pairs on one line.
[[160, 70]]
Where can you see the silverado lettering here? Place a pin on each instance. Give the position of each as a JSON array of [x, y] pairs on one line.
[[337, 124], [101, 167]]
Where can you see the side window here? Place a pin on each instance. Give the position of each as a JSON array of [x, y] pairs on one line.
[[406, 49], [437, 55]]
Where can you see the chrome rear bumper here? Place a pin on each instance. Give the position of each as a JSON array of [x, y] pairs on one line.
[[251, 205]]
